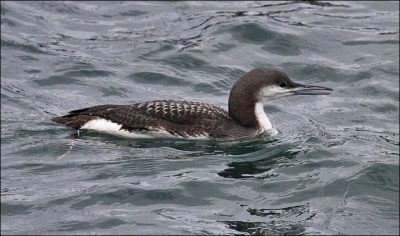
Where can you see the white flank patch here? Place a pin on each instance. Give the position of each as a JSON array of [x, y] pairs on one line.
[[106, 126], [262, 117], [199, 137]]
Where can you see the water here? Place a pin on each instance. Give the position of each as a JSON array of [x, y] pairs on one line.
[[332, 169]]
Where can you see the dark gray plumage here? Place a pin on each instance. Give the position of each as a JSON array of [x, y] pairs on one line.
[[195, 119], [180, 118]]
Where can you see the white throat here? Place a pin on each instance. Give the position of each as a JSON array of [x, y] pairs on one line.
[[262, 117]]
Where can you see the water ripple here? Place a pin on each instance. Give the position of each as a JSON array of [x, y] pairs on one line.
[[331, 169]]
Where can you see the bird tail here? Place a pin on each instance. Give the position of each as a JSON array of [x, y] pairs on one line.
[[73, 121]]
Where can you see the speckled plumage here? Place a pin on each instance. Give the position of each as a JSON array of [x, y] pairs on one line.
[[179, 118], [170, 118]]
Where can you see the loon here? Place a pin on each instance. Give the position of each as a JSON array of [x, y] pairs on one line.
[[245, 117]]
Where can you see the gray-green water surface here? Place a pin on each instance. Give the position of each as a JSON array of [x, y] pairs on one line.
[[332, 169]]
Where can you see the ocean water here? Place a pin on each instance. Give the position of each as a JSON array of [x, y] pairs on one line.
[[333, 168]]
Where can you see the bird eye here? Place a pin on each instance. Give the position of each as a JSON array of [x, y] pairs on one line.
[[283, 84]]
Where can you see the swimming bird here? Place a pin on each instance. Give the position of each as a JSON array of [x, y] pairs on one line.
[[245, 117]]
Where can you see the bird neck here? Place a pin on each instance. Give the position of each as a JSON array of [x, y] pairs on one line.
[[248, 111], [261, 117], [245, 102]]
